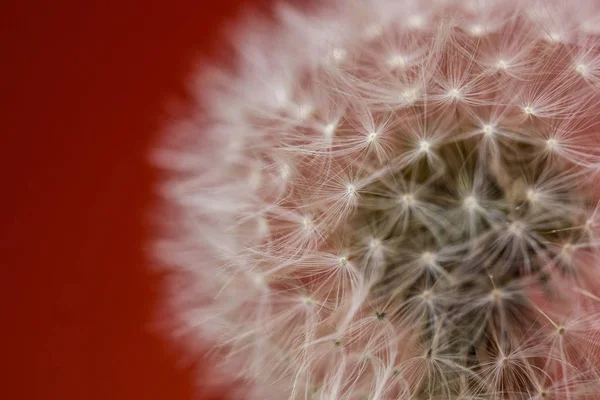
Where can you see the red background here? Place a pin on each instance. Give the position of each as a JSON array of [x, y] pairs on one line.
[[85, 89]]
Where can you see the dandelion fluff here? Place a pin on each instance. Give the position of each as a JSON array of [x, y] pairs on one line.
[[393, 200]]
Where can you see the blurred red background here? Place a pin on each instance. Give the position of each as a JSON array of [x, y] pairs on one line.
[[85, 90]]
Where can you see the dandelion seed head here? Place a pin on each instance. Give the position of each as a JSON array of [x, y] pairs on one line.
[[393, 200]]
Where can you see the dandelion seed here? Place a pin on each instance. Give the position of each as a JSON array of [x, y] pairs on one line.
[[304, 111], [375, 244], [424, 146], [532, 196], [285, 171], [488, 130], [496, 295], [477, 30], [470, 202], [580, 69], [427, 295], [372, 137], [380, 315], [307, 223], [308, 301], [567, 248], [351, 191], [397, 61], [516, 228], [329, 130], [428, 257], [501, 64], [552, 144], [338, 54], [410, 96], [408, 199], [454, 93]]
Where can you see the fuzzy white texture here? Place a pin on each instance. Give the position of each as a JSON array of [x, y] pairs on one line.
[[395, 199]]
